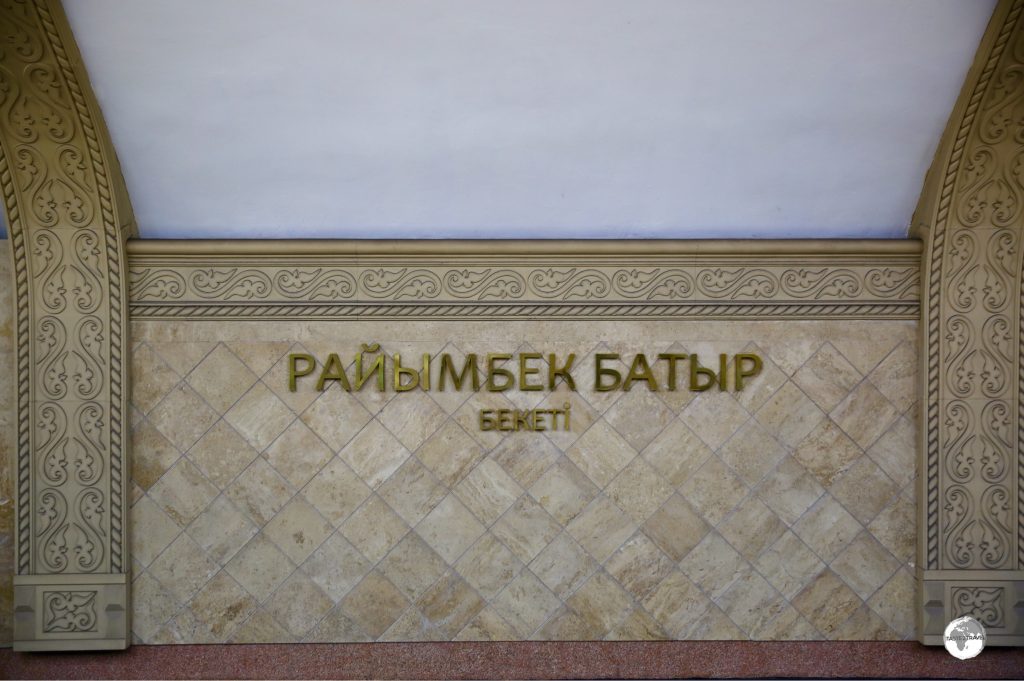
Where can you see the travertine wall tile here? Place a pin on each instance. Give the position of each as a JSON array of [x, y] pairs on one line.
[[782, 511]]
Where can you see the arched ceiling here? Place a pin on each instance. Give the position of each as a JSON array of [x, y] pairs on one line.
[[533, 118]]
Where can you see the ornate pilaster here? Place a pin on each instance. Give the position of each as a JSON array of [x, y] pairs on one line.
[[68, 216], [971, 471]]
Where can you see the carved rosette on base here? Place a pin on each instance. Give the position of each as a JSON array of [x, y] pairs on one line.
[[68, 215], [971, 472]]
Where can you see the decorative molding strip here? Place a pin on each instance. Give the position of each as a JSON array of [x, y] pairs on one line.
[[462, 280], [68, 215], [972, 460]]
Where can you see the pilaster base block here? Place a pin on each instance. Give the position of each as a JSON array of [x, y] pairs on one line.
[[71, 612], [994, 598]]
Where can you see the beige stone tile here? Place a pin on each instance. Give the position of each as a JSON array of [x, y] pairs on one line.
[[184, 627], [412, 566], [336, 566], [788, 350], [602, 600], [450, 453], [639, 490], [183, 492], [864, 489], [151, 531], [757, 390], [639, 565], [152, 454], [374, 454], [526, 528], [789, 490], [298, 530], [827, 377], [260, 567], [221, 454], [182, 417], [582, 418], [488, 566], [865, 625], [222, 605], [374, 528], [896, 376], [827, 528], [152, 378], [601, 453], [676, 528], [261, 627], [714, 565], [789, 625], [864, 565], [412, 491], [259, 492], [564, 490], [260, 356], [894, 602], [638, 625], [221, 530], [895, 528], [525, 458], [259, 417], [487, 626], [789, 415], [160, 607], [563, 565], [336, 417], [788, 565], [714, 490], [298, 454], [525, 604], [752, 527], [412, 417], [450, 604], [183, 568], [488, 491], [568, 625], [374, 604], [751, 602], [298, 604], [865, 345], [864, 415], [639, 416], [752, 452], [336, 491], [335, 627], [221, 378], [826, 452], [827, 602], [714, 416], [182, 357], [676, 453], [601, 528], [715, 625], [676, 604], [896, 451], [450, 529]]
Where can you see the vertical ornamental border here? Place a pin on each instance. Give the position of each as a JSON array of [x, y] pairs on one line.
[[68, 216], [971, 466]]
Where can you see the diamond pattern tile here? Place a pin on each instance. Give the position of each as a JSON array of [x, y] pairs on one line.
[[782, 511]]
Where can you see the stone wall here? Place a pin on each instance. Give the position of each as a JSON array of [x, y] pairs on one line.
[[785, 511]]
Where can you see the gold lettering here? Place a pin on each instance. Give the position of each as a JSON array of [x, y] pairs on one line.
[[448, 370], [742, 373], [554, 372], [492, 371], [377, 366], [600, 371], [640, 370], [293, 368], [696, 372], [400, 371], [526, 371], [333, 371], [672, 358]]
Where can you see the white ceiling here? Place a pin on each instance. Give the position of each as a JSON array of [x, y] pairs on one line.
[[532, 118]]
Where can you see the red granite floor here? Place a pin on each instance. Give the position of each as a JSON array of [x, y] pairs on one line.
[[521, 660]]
